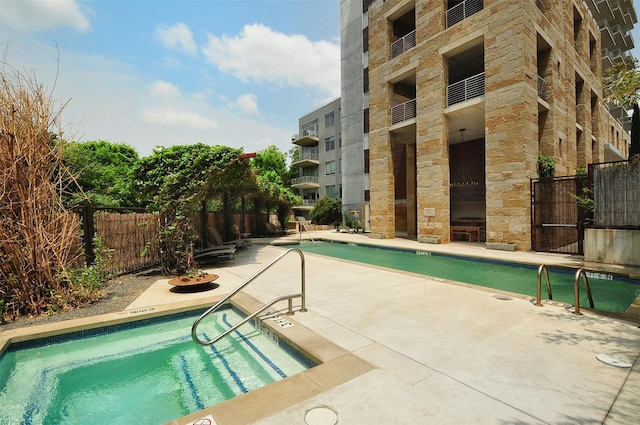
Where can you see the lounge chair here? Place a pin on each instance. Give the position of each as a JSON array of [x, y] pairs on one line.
[[272, 229], [239, 243], [216, 253]]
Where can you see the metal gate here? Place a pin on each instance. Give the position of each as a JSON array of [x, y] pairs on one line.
[[557, 221]]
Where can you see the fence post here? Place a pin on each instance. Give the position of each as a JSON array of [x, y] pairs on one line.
[[89, 230]]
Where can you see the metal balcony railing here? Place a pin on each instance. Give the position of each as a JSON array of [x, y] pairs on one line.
[[463, 10], [308, 202], [403, 112], [304, 179], [312, 156], [466, 89], [542, 88], [305, 133], [402, 45]]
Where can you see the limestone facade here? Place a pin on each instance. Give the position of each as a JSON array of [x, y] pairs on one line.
[[530, 74]]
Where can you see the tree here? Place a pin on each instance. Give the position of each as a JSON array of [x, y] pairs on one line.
[[103, 173], [621, 85], [327, 211], [274, 182]]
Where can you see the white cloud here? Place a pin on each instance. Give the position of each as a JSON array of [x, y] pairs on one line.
[[172, 117], [248, 104], [178, 37], [164, 90], [263, 55], [39, 15]]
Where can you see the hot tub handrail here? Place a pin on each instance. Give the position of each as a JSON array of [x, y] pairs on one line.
[[542, 268], [301, 295], [576, 289]]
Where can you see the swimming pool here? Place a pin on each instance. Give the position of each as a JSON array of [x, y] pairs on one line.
[[145, 371], [611, 293]]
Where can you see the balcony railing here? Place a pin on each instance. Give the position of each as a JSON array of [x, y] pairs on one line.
[[542, 88], [304, 180], [463, 10], [308, 202], [400, 46], [305, 133], [308, 156], [466, 89], [403, 112]]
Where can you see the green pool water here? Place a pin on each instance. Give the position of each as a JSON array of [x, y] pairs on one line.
[[147, 374], [610, 293]]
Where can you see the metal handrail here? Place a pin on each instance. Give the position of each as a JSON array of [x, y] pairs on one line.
[[301, 295], [576, 288], [304, 226], [539, 285]]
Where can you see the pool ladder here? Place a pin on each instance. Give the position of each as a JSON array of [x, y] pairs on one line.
[[576, 287], [301, 295]]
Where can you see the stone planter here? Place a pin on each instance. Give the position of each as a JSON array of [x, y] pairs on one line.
[[502, 246]]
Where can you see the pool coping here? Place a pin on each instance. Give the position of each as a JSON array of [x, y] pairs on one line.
[[335, 364]]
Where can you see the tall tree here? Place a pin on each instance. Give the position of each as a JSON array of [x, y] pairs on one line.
[[621, 85], [103, 172]]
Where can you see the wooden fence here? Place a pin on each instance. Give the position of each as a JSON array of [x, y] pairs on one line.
[[616, 194], [129, 236], [130, 232]]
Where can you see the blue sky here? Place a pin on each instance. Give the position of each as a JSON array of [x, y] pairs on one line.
[[162, 72]]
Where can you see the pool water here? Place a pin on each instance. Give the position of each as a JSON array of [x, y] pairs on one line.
[[148, 374], [610, 293]]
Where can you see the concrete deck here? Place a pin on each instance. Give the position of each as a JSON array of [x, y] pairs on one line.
[[418, 350], [399, 348]]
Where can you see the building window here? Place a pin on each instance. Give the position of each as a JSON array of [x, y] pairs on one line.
[[330, 191], [330, 168], [329, 143], [366, 161], [330, 119], [310, 128]]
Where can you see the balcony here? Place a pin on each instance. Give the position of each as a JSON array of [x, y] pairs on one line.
[[466, 89], [542, 88], [305, 182], [308, 138], [403, 112], [463, 10], [307, 204], [306, 159], [400, 46]]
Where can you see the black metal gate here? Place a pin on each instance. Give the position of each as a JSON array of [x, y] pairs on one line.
[[557, 221]]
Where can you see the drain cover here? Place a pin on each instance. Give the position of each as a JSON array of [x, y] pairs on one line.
[[613, 360], [502, 297], [321, 416]]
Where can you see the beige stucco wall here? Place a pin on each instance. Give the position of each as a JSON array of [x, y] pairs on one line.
[[612, 246]]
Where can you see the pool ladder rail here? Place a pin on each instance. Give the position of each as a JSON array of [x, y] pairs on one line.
[[576, 287], [301, 295]]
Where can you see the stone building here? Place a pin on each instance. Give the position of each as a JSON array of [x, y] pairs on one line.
[[461, 98]]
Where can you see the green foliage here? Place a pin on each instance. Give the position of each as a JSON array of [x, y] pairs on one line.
[[84, 285], [327, 210], [581, 172], [621, 82], [102, 172], [272, 160], [176, 181], [546, 166]]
